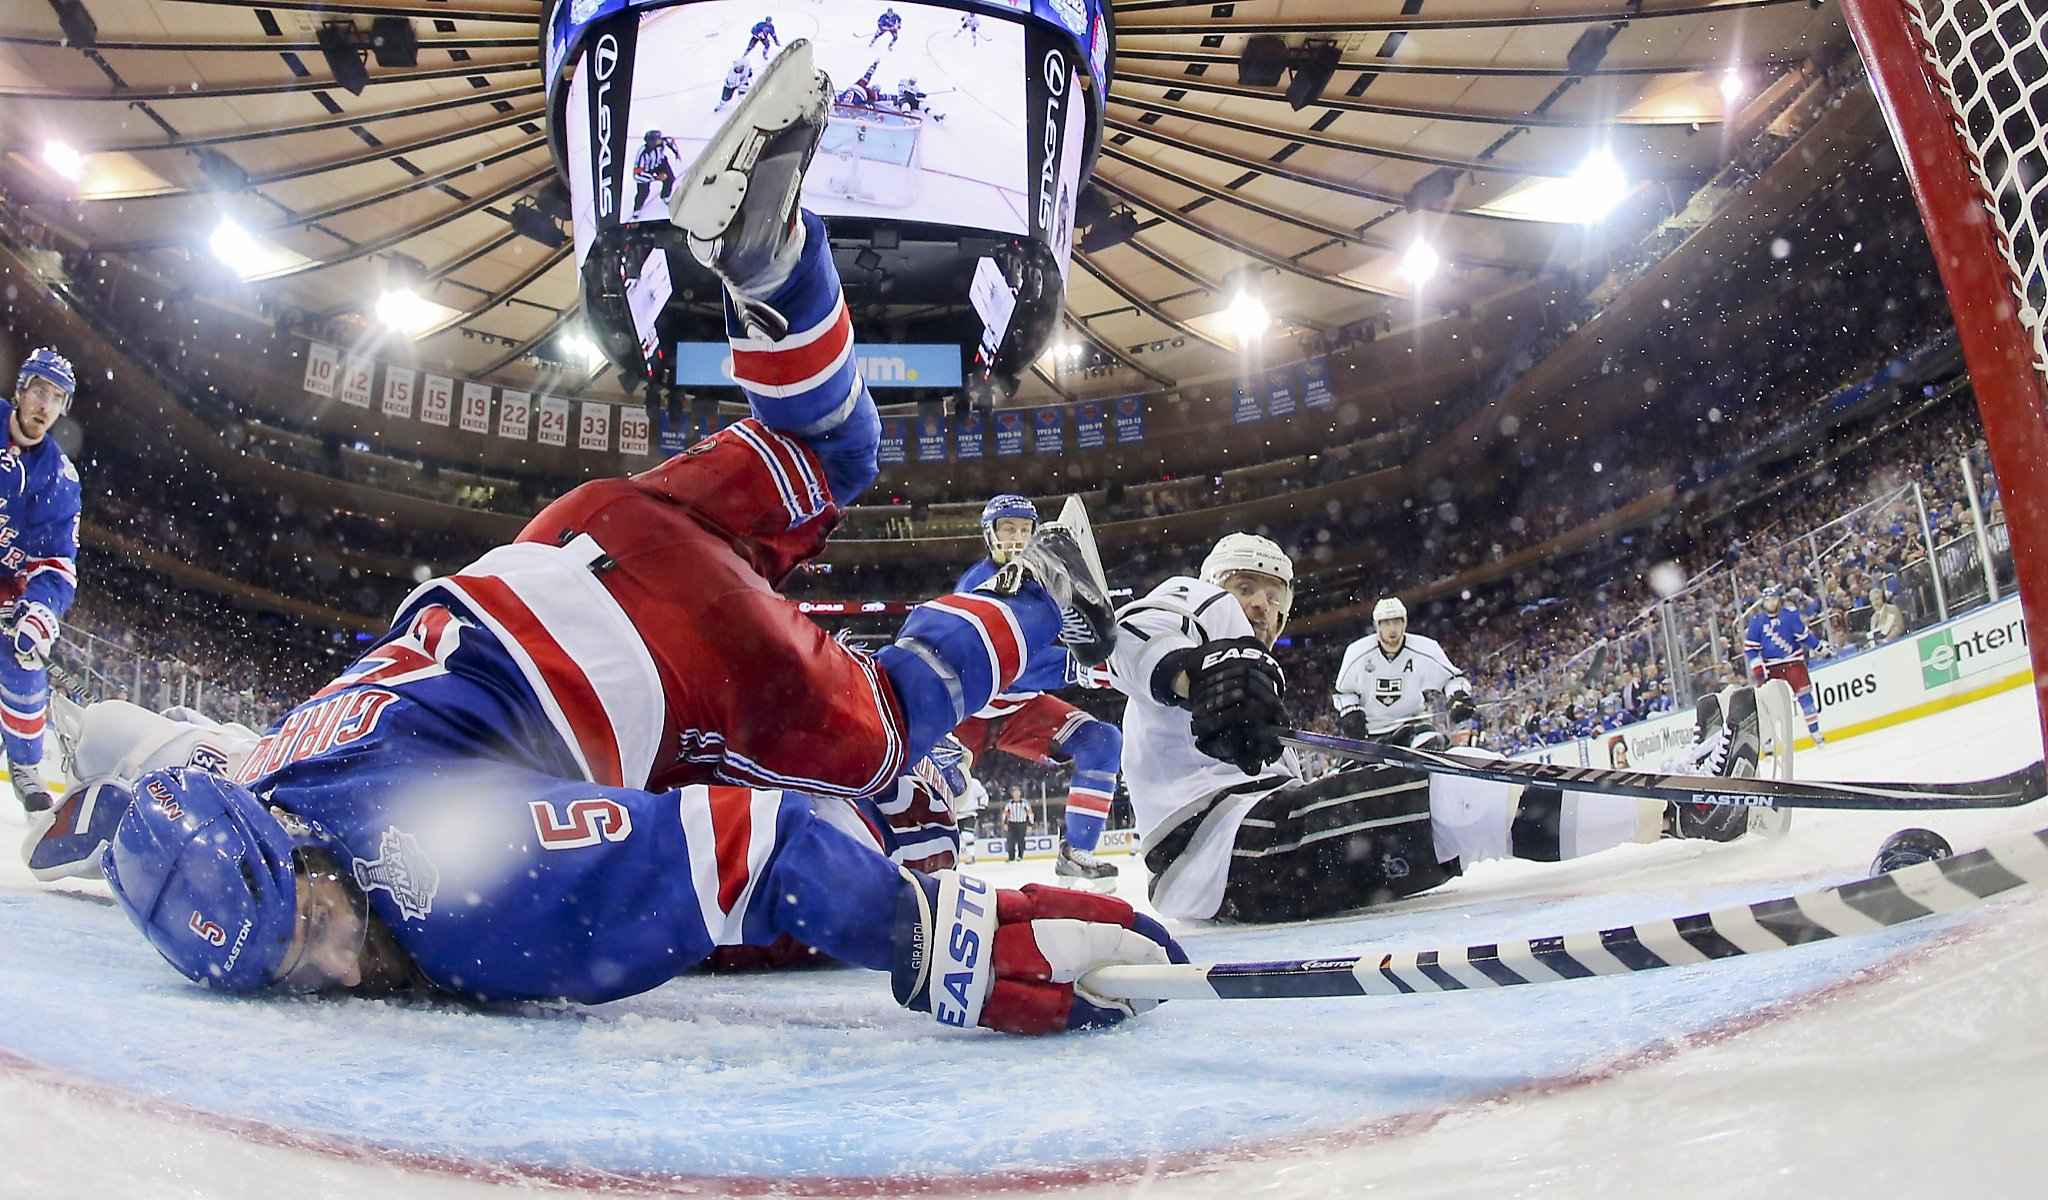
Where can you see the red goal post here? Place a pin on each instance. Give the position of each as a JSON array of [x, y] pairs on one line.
[[1964, 89]]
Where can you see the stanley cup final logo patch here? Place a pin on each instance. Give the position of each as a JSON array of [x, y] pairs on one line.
[[403, 870]]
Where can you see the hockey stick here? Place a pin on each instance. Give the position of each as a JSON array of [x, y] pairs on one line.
[[2005, 791], [1866, 906]]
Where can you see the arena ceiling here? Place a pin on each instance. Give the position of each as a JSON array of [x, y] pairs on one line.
[[1461, 125]]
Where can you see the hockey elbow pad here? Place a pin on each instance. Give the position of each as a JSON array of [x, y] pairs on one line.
[[971, 954], [1235, 690]]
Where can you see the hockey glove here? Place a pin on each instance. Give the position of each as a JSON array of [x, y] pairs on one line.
[[33, 633], [1462, 708], [970, 954], [66, 841], [1234, 691], [1352, 724]]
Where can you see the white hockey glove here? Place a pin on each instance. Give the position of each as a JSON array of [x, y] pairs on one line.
[[33, 632]]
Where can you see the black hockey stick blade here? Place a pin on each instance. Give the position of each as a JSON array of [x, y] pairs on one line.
[[2005, 791], [2011, 863]]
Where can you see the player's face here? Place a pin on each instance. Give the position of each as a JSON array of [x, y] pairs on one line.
[[37, 405], [1393, 631], [1771, 604], [1011, 535], [327, 946], [1266, 601]]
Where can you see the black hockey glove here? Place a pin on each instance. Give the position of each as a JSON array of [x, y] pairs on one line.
[[1462, 708], [1235, 690], [1352, 725]]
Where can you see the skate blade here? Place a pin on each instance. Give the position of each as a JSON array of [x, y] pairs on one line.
[[715, 186], [1101, 887]]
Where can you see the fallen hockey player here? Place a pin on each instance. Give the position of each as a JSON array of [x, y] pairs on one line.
[[587, 760]]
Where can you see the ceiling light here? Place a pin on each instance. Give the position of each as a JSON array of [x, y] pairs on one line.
[[1599, 185], [64, 160], [1247, 317], [1731, 85], [580, 348], [403, 310], [1420, 263], [232, 245]]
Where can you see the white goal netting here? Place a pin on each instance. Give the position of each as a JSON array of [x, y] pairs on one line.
[[1991, 57], [875, 155]]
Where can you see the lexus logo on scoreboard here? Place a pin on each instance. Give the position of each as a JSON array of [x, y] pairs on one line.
[[610, 63]]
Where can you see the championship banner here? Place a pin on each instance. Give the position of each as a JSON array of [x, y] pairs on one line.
[[1246, 402], [515, 415], [632, 431], [594, 432], [1315, 383], [554, 421], [1048, 431], [675, 434], [1089, 422], [895, 432], [323, 370], [358, 381], [1280, 391], [476, 407], [437, 399], [1130, 420], [398, 391], [931, 439], [967, 437], [1009, 433]]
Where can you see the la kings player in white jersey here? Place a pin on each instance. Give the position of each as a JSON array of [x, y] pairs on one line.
[[1232, 831], [1385, 684]]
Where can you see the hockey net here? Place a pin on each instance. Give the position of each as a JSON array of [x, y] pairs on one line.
[[874, 155], [1964, 87]]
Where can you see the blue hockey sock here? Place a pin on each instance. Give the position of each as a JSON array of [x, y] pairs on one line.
[[806, 384], [1097, 749], [955, 653]]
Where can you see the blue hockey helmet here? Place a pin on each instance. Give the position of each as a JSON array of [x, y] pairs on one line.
[[45, 363], [207, 873], [999, 508]]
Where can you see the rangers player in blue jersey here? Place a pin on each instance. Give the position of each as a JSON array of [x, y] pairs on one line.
[[39, 498], [1776, 645], [590, 758], [1028, 722]]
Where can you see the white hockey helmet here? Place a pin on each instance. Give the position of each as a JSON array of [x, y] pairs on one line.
[[1389, 609], [1247, 552]]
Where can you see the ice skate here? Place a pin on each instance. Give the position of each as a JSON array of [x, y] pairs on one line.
[[29, 787], [1063, 559], [737, 205], [1081, 869], [1726, 741]]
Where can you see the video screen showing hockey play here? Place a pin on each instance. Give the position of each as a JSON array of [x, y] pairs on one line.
[[1499, 651], [927, 116]]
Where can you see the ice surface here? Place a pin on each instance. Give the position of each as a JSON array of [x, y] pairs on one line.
[[1876, 1064]]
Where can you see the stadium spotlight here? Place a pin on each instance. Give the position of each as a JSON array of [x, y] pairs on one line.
[[343, 46], [403, 310], [1420, 263], [233, 245], [1600, 185], [581, 349], [63, 160], [1247, 317], [1732, 86]]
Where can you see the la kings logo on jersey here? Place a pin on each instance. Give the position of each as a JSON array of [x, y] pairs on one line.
[[1387, 691]]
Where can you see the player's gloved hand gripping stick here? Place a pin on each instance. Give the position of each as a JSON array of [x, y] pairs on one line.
[[972, 954]]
